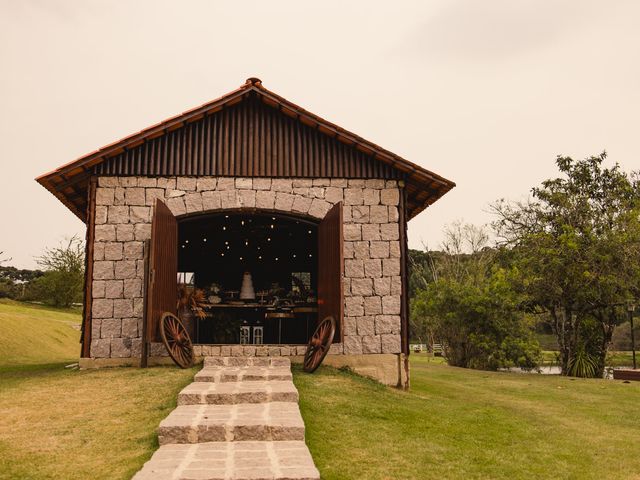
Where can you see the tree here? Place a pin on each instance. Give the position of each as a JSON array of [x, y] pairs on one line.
[[470, 306], [576, 247], [61, 284]]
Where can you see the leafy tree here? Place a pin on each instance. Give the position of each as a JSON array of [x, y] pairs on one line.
[[61, 284], [576, 247], [469, 305]]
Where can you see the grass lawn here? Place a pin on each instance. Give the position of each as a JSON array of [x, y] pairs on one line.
[[454, 423]]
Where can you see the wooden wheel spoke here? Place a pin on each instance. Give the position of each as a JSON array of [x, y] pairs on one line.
[[176, 340], [319, 344]]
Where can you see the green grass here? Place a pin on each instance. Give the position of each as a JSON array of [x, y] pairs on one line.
[[454, 423], [32, 334], [457, 423]]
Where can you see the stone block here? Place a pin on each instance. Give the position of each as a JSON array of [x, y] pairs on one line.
[[353, 196], [396, 285], [138, 307], [394, 249], [96, 323], [390, 266], [390, 343], [338, 182], [140, 214], [128, 181], [391, 305], [353, 268], [394, 216], [142, 231], [102, 308], [193, 202], [118, 214], [378, 214], [124, 232], [302, 182], [390, 231], [147, 182], [354, 306], [186, 183], [356, 182], [281, 185], [390, 196], [100, 348], [370, 231], [120, 347], [346, 286], [113, 251], [393, 183], [175, 193], [366, 325], [371, 196], [110, 328], [247, 198], [98, 289], [230, 199], [167, 183], [113, 289], [377, 183], [133, 250], [211, 200], [134, 196], [125, 269], [350, 326], [132, 288], [317, 192], [379, 249], [387, 324], [382, 286], [101, 214], [333, 195], [348, 249], [372, 305], [244, 183], [371, 344], [352, 232], [103, 270], [226, 183], [373, 268], [361, 250], [177, 206], [360, 214], [98, 251], [319, 208], [301, 204], [362, 286], [262, 184], [123, 307], [105, 233], [321, 182], [108, 181], [352, 345], [284, 201], [105, 196], [265, 199], [206, 183]]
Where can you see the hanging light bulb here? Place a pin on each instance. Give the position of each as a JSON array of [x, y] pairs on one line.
[[310, 255], [242, 223], [186, 241], [309, 232], [228, 247], [222, 254], [224, 228], [276, 259], [268, 239], [246, 242], [204, 239], [259, 257], [240, 258], [294, 255], [272, 225], [226, 242]]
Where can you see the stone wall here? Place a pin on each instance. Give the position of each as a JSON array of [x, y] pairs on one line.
[[371, 250]]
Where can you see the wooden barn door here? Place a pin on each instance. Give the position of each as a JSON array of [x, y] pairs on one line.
[[331, 268], [162, 288]]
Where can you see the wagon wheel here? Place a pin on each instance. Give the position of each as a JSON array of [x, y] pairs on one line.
[[319, 344], [176, 340]]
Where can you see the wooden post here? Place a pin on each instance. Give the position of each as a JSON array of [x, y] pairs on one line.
[[85, 337]]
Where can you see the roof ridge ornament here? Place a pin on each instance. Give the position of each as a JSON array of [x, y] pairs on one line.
[[253, 81]]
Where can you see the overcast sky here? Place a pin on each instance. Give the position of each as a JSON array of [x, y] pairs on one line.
[[485, 93]]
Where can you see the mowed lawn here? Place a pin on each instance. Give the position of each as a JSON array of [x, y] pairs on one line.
[[454, 423]]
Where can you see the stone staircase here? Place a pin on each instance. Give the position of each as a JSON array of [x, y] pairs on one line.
[[239, 420]]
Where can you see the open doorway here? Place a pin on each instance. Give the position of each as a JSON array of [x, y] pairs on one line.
[[253, 276]]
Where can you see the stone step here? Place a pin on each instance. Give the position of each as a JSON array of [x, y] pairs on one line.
[[247, 362], [217, 374], [287, 460], [232, 423], [210, 393]]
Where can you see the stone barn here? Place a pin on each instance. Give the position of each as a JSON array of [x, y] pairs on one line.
[[253, 219]]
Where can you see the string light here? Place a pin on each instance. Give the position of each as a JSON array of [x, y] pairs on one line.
[[272, 225], [186, 241], [268, 239], [246, 242], [276, 259], [294, 255], [224, 228], [240, 258], [222, 254], [310, 255], [259, 257], [309, 232], [242, 222], [204, 239]]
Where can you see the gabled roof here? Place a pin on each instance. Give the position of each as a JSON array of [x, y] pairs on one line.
[[69, 182]]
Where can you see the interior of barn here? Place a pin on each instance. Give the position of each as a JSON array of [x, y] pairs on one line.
[[248, 278]]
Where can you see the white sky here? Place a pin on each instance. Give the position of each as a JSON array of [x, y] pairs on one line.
[[485, 93]]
